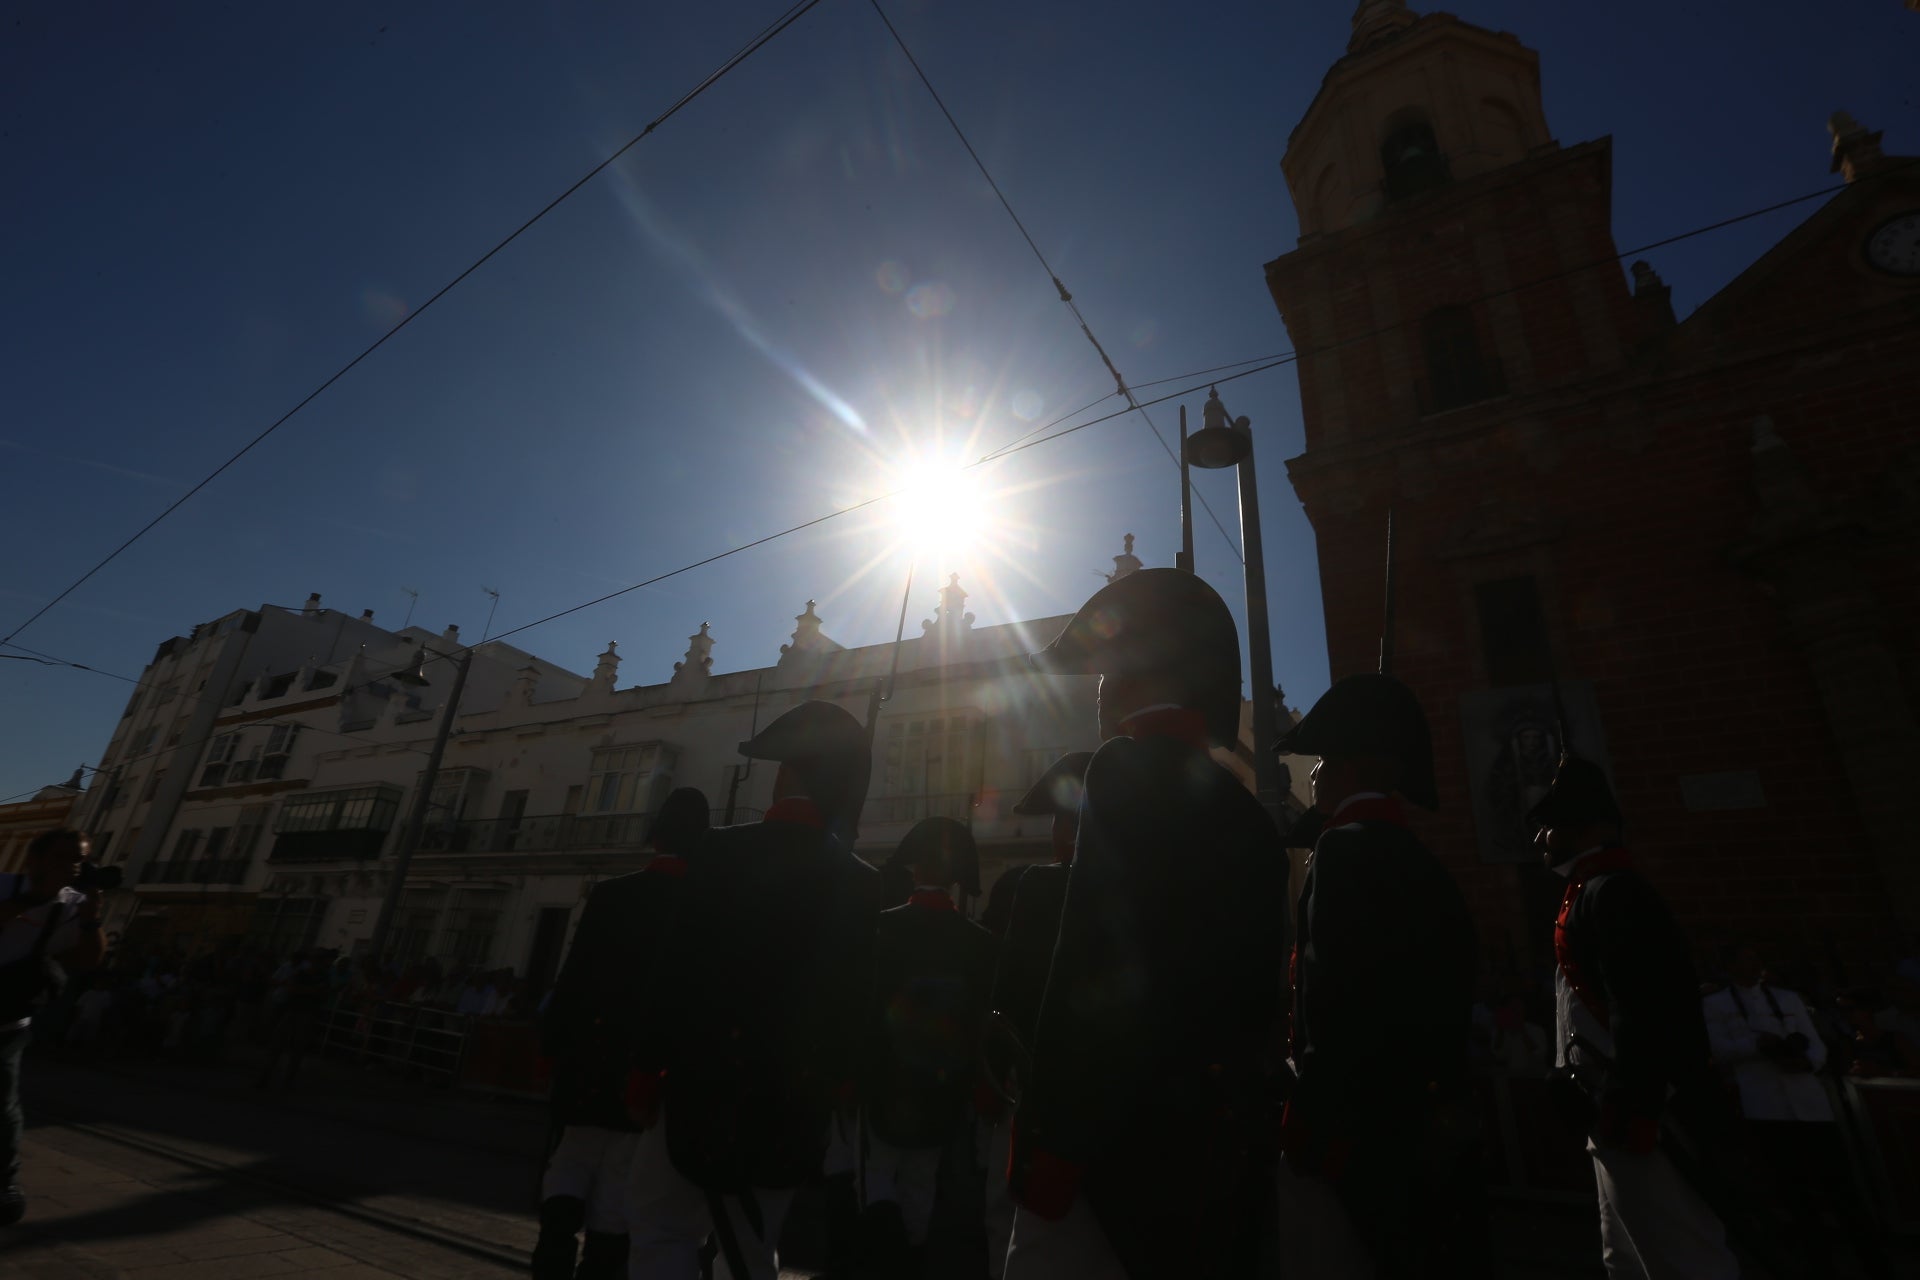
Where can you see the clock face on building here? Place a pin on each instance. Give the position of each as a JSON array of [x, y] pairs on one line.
[[1894, 245]]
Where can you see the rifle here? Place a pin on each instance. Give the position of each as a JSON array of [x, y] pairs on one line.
[[1386, 615]]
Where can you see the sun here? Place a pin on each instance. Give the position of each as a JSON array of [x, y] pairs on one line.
[[939, 507]]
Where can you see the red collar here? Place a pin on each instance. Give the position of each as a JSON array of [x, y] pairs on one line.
[[668, 864], [1369, 809], [799, 811], [1179, 723], [931, 899]]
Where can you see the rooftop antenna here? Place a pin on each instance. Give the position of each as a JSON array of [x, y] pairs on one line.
[[488, 629], [413, 598]]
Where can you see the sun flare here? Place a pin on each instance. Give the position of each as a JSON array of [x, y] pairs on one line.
[[940, 508]]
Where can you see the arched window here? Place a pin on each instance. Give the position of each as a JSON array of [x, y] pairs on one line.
[[1411, 157], [1457, 373]]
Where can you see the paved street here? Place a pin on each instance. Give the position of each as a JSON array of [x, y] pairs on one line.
[[133, 1175], [159, 1171]]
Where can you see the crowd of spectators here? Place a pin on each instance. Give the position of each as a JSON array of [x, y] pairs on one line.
[[196, 1008]]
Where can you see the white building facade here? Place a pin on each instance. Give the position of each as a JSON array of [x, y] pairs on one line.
[[277, 810]]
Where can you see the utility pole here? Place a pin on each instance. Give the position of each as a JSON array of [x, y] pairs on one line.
[[417, 820]]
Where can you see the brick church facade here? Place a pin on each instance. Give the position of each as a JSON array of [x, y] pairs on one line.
[[1701, 531]]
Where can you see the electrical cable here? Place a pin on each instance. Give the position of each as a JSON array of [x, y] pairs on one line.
[[1018, 445], [793, 14], [1119, 382]]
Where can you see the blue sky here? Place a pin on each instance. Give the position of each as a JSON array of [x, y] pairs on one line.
[[798, 281]]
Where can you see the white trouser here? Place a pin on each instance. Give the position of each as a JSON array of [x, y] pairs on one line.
[[669, 1218], [591, 1164], [906, 1176], [1074, 1248], [1653, 1226], [1317, 1237], [999, 1202]]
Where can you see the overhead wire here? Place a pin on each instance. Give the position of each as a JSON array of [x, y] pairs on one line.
[[1120, 383], [792, 15], [1028, 441]]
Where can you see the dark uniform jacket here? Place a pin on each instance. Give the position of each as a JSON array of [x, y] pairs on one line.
[[1026, 953], [592, 1024], [1384, 973], [771, 955], [1383, 999], [1164, 993], [932, 974], [1627, 952]]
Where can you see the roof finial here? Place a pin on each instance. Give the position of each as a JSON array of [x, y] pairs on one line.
[[1377, 20], [1856, 151]]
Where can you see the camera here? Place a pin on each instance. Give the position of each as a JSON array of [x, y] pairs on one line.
[[94, 878]]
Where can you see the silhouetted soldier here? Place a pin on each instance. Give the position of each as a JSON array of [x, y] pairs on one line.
[[592, 1028], [1631, 1037], [1380, 1177], [772, 954], [1033, 899], [1134, 1141], [933, 974]]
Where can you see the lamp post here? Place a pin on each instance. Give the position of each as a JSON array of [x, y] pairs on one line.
[[1223, 442], [416, 821]]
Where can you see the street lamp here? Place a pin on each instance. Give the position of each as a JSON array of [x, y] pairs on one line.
[[1222, 442], [415, 676]]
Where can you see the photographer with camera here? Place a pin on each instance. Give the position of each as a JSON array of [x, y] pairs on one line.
[[1766, 1042], [49, 917]]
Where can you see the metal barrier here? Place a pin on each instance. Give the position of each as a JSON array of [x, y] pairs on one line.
[[404, 1038]]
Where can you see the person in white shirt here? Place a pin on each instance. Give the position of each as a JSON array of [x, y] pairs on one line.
[[1764, 1038], [42, 917]]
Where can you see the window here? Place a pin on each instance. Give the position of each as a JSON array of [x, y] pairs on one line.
[[1513, 632], [468, 938], [189, 841], [323, 680], [219, 756], [273, 762], [240, 694], [278, 686], [1411, 157], [246, 832], [217, 841], [153, 785], [930, 767], [143, 743], [166, 693], [620, 778], [576, 796], [1457, 374], [336, 824]]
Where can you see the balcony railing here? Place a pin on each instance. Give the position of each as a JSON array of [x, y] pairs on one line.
[[201, 871], [912, 808], [550, 832], [537, 833]]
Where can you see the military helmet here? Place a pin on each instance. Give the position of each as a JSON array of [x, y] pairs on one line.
[[681, 822], [1370, 715], [813, 730], [1580, 794], [1058, 789], [1157, 622], [944, 843], [828, 749]]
